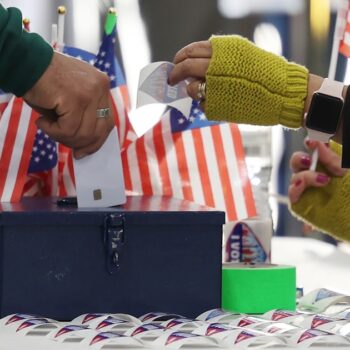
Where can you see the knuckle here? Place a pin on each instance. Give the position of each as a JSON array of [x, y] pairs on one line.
[[189, 50], [103, 81]]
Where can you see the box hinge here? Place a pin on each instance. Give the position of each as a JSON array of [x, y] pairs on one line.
[[114, 241]]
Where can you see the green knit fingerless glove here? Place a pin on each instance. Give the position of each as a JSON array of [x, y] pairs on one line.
[[245, 84], [327, 208]]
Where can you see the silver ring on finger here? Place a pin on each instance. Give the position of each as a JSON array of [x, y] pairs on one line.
[[102, 112], [201, 93]]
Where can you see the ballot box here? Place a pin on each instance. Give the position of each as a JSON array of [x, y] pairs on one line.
[[151, 254]]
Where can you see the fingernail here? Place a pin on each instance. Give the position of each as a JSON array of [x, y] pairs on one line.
[[322, 179], [310, 143], [80, 155], [298, 183], [306, 160]]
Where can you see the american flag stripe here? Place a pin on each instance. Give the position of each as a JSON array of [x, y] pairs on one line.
[[17, 132], [126, 170], [53, 180], [31, 187], [155, 186], [182, 166], [238, 152], [195, 180], [226, 184], [65, 172], [174, 176], [201, 165], [345, 44], [205, 188], [141, 157], [343, 27], [161, 156], [4, 100], [119, 114]]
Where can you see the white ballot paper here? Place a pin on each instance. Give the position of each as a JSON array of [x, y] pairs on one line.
[[154, 88], [99, 176]]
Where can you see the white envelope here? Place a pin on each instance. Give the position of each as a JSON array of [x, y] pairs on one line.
[[99, 177]]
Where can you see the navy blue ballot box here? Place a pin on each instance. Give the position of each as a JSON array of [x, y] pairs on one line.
[[152, 254]]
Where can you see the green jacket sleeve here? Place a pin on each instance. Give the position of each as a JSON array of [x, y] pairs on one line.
[[24, 56]]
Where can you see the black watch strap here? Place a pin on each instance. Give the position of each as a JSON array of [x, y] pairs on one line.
[[345, 159]]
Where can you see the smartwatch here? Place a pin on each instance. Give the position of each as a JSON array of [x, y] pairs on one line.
[[325, 110]]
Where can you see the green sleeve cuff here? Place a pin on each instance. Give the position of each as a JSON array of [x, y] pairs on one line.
[[24, 57], [246, 84]]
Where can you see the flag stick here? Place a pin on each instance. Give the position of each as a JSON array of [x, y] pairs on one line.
[[60, 26], [111, 20], [335, 46], [54, 35]]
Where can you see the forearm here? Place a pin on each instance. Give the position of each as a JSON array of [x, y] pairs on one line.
[[23, 56]]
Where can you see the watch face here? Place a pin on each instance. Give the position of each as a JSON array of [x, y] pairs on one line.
[[324, 113]]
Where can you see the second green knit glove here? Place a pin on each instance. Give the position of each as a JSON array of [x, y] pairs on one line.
[[327, 208]]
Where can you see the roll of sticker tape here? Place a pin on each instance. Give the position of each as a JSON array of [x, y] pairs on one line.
[[248, 241], [255, 289]]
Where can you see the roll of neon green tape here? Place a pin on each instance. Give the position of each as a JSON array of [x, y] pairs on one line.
[[255, 289]]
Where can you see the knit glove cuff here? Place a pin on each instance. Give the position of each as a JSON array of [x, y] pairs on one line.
[[246, 84], [327, 208]]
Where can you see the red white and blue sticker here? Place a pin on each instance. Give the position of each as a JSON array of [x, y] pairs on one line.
[[103, 336], [109, 322], [316, 336], [176, 336], [324, 293], [89, 317], [215, 328], [319, 300], [69, 329], [19, 317], [146, 328], [177, 321], [276, 315], [32, 322], [151, 316], [244, 335], [216, 315]]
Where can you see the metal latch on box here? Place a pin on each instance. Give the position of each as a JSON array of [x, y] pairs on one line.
[[113, 240]]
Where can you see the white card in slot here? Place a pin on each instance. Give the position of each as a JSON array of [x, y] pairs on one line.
[[99, 177]]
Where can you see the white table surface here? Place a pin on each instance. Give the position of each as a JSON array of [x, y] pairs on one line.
[[319, 264]]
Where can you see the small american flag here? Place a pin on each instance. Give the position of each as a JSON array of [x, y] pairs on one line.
[[191, 159], [17, 133], [343, 27]]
